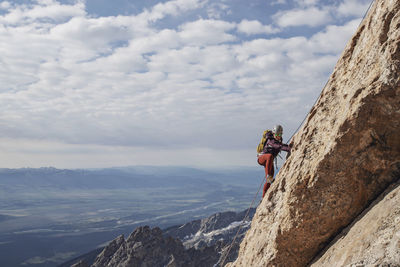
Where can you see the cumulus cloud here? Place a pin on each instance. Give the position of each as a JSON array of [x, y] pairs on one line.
[[311, 16], [172, 8], [306, 2], [333, 38], [255, 27], [207, 32], [354, 8], [45, 11], [217, 10], [5, 5], [125, 88]]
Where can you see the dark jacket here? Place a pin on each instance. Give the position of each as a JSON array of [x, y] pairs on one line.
[[273, 146]]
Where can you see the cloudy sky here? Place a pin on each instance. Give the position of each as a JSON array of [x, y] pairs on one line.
[[101, 83]]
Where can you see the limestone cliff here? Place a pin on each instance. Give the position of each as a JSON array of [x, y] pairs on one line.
[[345, 155]]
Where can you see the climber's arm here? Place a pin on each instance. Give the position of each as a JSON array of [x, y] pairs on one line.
[[286, 147]]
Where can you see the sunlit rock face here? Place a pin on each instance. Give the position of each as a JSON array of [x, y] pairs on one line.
[[345, 155]]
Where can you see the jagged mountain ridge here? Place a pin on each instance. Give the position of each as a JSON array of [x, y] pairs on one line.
[[206, 232], [196, 243]]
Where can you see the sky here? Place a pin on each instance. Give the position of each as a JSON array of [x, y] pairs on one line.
[[99, 83]]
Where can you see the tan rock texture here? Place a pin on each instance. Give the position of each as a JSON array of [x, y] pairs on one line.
[[345, 155], [372, 240]]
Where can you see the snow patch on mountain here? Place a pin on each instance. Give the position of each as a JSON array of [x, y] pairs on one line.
[[202, 239]]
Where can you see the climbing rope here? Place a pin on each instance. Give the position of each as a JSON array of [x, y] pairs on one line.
[[365, 14], [241, 225]]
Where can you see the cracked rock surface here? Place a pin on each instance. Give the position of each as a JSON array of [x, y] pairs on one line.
[[372, 240]]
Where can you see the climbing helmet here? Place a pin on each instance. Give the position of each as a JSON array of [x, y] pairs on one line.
[[277, 130]]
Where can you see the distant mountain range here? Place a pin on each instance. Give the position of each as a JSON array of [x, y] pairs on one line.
[[49, 215]]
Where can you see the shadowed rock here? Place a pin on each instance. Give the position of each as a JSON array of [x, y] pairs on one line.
[[373, 239]]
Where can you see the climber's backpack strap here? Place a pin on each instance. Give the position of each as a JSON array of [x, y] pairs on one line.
[[264, 139]]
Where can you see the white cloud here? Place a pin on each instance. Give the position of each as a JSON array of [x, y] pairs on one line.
[[45, 10], [55, 11], [306, 2], [173, 8], [129, 92], [96, 35], [334, 38], [207, 32], [255, 27], [217, 10], [311, 16], [355, 8], [5, 5]]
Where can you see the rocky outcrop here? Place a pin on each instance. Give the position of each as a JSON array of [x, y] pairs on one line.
[[148, 247], [107, 255], [373, 239], [345, 155], [144, 247], [196, 243]]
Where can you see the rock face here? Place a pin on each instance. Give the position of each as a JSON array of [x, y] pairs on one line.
[[372, 240], [345, 155]]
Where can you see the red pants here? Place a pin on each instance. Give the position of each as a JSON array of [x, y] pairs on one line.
[[267, 160]]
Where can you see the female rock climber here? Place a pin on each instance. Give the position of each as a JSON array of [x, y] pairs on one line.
[[271, 148]]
